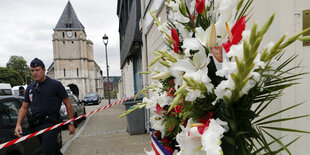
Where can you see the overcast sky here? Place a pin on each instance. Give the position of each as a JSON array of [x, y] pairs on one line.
[[27, 26]]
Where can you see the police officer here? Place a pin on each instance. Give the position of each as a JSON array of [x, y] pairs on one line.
[[44, 97]]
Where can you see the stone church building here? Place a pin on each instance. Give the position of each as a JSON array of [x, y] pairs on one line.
[[73, 54]]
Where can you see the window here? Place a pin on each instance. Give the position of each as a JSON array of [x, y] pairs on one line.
[[72, 42], [5, 92], [77, 72], [75, 34], [9, 113], [63, 42], [64, 72], [68, 25], [63, 34]]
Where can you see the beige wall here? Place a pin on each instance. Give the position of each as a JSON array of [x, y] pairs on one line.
[[152, 38], [127, 79], [288, 20]]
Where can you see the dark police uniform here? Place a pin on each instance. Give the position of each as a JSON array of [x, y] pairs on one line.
[[45, 101]]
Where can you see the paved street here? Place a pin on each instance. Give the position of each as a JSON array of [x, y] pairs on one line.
[[104, 133]]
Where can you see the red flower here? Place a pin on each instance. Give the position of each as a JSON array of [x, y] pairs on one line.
[[166, 140], [200, 6], [204, 122], [171, 82], [159, 109], [236, 31], [178, 109], [185, 122], [172, 112], [175, 40], [192, 19], [156, 134]]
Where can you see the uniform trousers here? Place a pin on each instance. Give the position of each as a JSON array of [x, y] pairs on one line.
[[49, 140]]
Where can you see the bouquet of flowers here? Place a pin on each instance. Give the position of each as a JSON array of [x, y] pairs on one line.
[[214, 81]]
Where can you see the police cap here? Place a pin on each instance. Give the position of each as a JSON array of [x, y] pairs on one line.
[[36, 63]]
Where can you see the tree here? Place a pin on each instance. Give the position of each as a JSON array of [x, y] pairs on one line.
[[19, 64], [8, 75]]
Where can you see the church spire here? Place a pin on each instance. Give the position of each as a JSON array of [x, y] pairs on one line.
[[68, 20]]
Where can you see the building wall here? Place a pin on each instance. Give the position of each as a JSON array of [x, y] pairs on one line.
[[120, 90], [152, 38], [288, 19], [127, 79]]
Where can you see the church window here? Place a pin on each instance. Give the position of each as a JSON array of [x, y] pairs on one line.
[[77, 72], [75, 34], [63, 42], [64, 72], [63, 34], [72, 42]]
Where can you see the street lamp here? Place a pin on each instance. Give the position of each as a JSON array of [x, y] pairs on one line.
[[105, 41]]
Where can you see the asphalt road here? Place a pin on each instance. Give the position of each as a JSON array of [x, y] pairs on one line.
[[104, 133]]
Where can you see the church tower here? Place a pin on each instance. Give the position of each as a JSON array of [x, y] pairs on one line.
[[74, 63]]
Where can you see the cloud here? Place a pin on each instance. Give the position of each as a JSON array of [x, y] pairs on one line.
[[27, 26]]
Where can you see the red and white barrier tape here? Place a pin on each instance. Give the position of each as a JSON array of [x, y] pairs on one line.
[[3, 145]]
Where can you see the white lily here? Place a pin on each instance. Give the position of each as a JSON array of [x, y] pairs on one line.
[[227, 8], [211, 138], [157, 123], [200, 76], [189, 140], [158, 98], [192, 95], [162, 75]]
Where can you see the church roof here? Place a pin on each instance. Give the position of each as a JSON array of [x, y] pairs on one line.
[[68, 20]]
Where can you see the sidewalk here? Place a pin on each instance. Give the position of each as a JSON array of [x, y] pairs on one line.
[[105, 133]]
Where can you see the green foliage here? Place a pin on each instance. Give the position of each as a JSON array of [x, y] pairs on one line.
[[8, 75], [19, 64]]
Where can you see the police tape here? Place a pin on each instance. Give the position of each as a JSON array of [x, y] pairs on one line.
[[15, 141]]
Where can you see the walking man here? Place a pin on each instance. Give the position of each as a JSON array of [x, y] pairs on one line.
[[44, 97]]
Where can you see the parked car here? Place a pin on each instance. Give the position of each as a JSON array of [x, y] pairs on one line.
[[92, 98], [77, 106], [5, 89], [9, 108]]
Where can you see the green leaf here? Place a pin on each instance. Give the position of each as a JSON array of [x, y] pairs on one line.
[[278, 141], [271, 115], [148, 72], [253, 33], [285, 129], [266, 26], [154, 61], [264, 146], [244, 9], [293, 38], [283, 119], [281, 149], [130, 110], [176, 100], [306, 38]]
